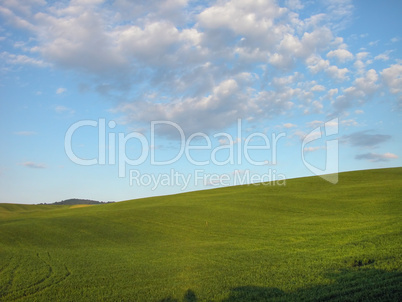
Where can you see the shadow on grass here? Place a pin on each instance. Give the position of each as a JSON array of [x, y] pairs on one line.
[[349, 285], [189, 296]]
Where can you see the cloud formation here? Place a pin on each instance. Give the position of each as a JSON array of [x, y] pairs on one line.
[[33, 165], [25, 133], [374, 157], [63, 109], [342, 55], [60, 90], [365, 139], [212, 62]]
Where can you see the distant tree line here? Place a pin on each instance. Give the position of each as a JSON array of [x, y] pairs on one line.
[[74, 201]]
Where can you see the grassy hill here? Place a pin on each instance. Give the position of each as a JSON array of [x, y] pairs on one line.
[[309, 240], [77, 201]]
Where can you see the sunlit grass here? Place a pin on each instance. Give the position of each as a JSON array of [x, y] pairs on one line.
[[309, 240]]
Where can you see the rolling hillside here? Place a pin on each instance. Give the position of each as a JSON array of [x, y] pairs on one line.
[[309, 240]]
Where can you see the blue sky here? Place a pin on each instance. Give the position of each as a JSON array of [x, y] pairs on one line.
[[229, 76]]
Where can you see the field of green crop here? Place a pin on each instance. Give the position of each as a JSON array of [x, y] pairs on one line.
[[308, 240]]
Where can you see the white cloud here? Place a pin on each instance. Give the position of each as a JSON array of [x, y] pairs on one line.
[[375, 157], [315, 124], [331, 93], [294, 4], [225, 141], [284, 82], [359, 66], [318, 88], [252, 19], [22, 59], [25, 133], [300, 135], [383, 56], [63, 109], [15, 20], [340, 8], [152, 43], [362, 55], [33, 165], [312, 149], [349, 122], [289, 125], [333, 123], [361, 62], [392, 76], [362, 90], [24, 7], [292, 47], [368, 84], [223, 105], [221, 108], [365, 139], [337, 73], [78, 42], [214, 61], [316, 64], [313, 107], [341, 54], [171, 10], [61, 90]]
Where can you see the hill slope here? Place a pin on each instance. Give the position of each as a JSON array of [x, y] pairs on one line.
[[77, 201], [307, 240]]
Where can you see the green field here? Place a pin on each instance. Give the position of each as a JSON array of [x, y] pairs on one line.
[[307, 241]]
